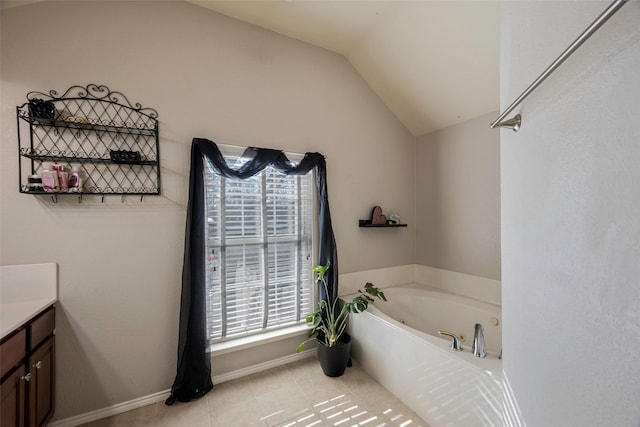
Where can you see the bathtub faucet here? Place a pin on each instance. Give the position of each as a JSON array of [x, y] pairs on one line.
[[478, 346], [455, 340]]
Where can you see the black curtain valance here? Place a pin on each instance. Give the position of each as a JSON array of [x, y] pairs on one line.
[[193, 377]]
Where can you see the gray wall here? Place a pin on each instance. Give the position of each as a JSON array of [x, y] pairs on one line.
[[458, 198], [570, 216], [208, 76]]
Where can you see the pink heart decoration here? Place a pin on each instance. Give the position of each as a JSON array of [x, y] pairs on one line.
[[377, 217]]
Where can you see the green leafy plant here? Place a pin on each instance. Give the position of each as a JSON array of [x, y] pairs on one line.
[[330, 320]]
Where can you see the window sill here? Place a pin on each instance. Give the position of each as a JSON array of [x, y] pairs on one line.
[[232, 345]]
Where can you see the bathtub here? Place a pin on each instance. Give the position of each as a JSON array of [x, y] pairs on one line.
[[396, 342]]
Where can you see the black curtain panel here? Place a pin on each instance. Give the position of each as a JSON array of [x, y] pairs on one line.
[[193, 377]]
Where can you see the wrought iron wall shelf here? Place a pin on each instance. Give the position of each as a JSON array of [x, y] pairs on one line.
[[90, 128], [367, 223]]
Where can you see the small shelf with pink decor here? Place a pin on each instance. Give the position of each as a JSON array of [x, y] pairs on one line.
[[379, 220], [367, 224]]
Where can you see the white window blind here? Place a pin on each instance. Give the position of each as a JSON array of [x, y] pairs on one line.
[[259, 250]]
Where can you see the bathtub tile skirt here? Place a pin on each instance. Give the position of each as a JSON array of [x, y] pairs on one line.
[[441, 388]]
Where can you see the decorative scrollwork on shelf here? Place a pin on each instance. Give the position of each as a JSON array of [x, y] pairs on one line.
[[94, 92], [79, 129]]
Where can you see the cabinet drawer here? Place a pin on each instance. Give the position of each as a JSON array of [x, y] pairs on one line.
[[42, 327], [12, 351]]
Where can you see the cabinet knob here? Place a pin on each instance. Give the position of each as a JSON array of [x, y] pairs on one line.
[[38, 365], [26, 377]]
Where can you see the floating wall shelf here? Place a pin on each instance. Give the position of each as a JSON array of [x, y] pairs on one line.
[[366, 223]]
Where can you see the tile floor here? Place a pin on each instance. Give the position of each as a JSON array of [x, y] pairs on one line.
[[293, 395]]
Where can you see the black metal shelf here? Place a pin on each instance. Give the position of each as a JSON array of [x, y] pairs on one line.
[[113, 143], [366, 223], [78, 159], [93, 125], [98, 192]]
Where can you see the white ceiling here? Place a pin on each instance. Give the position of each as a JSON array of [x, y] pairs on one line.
[[433, 63]]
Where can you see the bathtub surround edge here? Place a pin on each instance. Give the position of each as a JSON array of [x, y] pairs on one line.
[[349, 283], [476, 287]]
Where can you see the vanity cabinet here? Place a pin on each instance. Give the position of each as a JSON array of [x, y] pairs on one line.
[[13, 395], [41, 400], [27, 365]]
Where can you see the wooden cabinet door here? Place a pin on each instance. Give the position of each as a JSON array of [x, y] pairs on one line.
[[41, 402], [12, 350], [12, 393]]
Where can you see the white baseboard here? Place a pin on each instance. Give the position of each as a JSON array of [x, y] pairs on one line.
[[163, 395], [111, 410], [239, 373]]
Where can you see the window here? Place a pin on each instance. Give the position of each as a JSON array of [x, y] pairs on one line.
[[259, 250]]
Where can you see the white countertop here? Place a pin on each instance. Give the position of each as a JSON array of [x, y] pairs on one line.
[[14, 315], [25, 291]]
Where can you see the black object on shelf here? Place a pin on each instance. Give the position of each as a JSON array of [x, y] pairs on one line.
[[41, 109], [113, 143], [367, 223], [124, 156]]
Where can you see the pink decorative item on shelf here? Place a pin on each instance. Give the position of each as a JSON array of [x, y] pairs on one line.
[[376, 216]]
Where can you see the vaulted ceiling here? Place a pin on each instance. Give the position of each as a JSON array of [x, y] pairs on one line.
[[433, 63]]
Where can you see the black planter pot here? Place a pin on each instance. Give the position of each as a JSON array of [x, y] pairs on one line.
[[334, 360]]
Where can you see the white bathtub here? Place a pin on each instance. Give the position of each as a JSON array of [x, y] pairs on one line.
[[396, 342]]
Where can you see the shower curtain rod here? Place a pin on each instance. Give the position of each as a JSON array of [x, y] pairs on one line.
[[514, 123]]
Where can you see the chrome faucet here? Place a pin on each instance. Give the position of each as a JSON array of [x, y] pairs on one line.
[[455, 341], [478, 347]]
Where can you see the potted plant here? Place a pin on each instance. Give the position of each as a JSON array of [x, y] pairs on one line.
[[330, 320]]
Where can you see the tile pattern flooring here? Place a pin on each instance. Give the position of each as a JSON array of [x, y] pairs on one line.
[[293, 395]]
